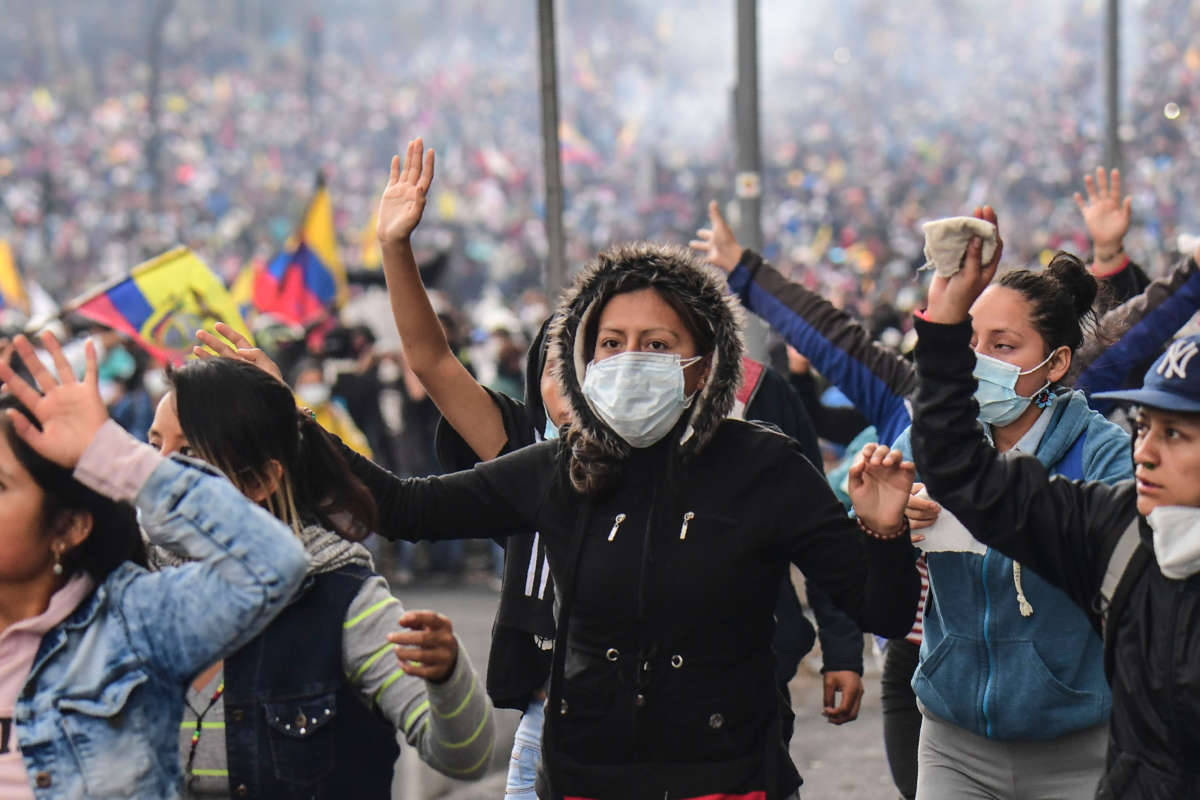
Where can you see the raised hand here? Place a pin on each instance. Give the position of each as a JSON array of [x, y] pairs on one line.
[[1105, 213], [403, 201], [718, 244], [428, 649], [69, 411], [237, 346], [950, 299], [880, 483]]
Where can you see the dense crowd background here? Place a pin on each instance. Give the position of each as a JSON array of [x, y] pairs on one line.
[[859, 144]]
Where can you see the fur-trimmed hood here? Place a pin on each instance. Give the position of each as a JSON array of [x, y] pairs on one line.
[[672, 270]]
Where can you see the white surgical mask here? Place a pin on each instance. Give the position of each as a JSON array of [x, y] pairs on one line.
[[638, 395], [999, 403], [1176, 540], [313, 394]]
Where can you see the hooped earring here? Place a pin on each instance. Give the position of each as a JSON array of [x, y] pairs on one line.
[[1044, 399]]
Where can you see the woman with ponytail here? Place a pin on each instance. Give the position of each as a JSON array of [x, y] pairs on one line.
[[1011, 677], [314, 703]]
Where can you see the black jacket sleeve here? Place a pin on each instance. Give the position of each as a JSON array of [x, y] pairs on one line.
[[841, 639], [1008, 501], [493, 499]]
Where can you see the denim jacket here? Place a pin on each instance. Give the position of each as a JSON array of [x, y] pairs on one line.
[[99, 713]]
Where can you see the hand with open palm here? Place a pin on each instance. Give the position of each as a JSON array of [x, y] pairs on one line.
[[880, 484], [403, 201], [69, 411]]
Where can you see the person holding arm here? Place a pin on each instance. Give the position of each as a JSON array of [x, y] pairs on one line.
[[96, 651], [264, 722], [1125, 553]]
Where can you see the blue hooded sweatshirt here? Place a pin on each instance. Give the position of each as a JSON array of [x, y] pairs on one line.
[[985, 667]]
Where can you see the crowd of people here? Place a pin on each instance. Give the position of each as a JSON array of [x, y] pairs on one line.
[[196, 592]]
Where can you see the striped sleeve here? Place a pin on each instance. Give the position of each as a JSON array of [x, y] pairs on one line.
[[449, 723]]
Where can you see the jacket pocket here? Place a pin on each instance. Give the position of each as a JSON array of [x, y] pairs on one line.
[[107, 733], [301, 732], [947, 682], [1028, 701]]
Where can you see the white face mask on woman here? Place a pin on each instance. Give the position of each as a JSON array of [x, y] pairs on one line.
[[638, 395], [996, 393]]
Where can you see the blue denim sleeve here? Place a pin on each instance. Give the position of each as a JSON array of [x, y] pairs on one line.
[[246, 567]]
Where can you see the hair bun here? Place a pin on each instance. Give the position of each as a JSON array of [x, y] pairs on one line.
[[1071, 273]]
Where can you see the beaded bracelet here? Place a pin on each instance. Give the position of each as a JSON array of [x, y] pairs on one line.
[[862, 526]]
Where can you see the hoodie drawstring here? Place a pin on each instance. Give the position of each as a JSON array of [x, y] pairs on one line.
[[1022, 601]]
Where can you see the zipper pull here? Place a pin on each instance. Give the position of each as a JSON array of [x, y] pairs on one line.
[[617, 520], [688, 517]]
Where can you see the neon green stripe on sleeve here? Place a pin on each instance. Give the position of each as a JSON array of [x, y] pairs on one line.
[[461, 706], [366, 665], [350, 623], [412, 718], [467, 742], [395, 676]]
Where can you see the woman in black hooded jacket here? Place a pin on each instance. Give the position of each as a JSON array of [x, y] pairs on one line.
[[668, 529]]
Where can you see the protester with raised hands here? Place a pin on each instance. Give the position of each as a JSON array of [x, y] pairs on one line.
[[1126, 554], [1107, 216], [96, 651], [262, 720], [650, 499]]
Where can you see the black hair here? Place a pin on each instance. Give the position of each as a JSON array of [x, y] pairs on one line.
[[239, 419], [114, 538], [1061, 296]]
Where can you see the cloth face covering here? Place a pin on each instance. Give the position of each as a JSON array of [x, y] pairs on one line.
[[999, 403], [638, 395], [1176, 540], [551, 431]]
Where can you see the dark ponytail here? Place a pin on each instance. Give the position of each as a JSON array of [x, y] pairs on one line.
[[240, 419], [114, 537], [1061, 296]]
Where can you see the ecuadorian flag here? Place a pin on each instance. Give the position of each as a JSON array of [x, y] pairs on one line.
[[306, 278], [12, 287], [162, 304]]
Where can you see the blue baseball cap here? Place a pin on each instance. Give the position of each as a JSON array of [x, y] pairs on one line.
[[1172, 384]]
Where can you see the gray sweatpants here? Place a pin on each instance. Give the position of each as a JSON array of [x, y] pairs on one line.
[[953, 763]]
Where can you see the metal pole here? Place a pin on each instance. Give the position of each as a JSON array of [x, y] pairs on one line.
[[1112, 61], [748, 186], [556, 262]]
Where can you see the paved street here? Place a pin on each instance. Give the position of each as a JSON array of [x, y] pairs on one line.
[[843, 762]]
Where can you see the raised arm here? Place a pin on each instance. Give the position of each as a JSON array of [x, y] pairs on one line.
[[1007, 501], [876, 380], [1133, 334], [463, 402]]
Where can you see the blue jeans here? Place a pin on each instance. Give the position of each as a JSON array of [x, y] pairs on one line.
[[526, 754]]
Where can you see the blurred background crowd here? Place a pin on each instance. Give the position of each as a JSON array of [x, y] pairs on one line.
[[127, 126]]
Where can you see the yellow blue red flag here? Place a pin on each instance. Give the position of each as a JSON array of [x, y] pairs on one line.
[[162, 304], [307, 277]]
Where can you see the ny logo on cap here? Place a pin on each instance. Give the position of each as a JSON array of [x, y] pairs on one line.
[[1175, 362]]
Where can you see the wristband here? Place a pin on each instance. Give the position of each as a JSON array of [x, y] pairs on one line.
[[1120, 249], [883, 537]]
